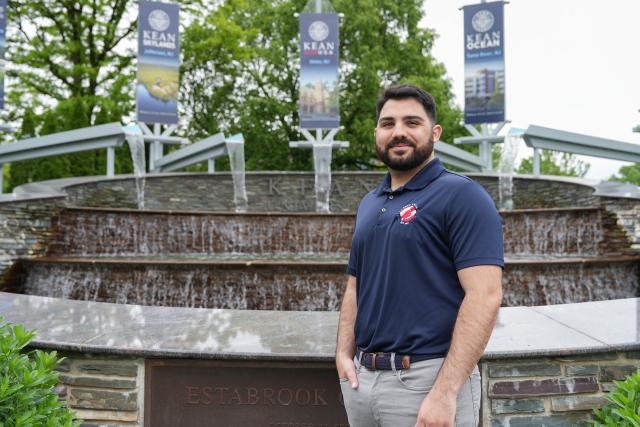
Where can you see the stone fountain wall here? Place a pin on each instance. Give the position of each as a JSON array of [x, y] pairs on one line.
[[25, 229], [537, 233], [134, 233], [108, 390], [551, 391], [298, 261], [103, 390], [294, 192], [242, 286], [292, 286]]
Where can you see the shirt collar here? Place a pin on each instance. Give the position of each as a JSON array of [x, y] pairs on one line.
[[424, 177]]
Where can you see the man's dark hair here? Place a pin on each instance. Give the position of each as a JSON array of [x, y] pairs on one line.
[[406, 91]]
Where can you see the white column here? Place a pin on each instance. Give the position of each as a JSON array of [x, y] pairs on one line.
[[536, 162], [111, 161], [211, 165], [152, 155]]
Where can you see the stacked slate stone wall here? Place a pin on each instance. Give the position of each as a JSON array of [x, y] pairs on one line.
[[25, 227], [103, 391], [294, 192], [628, 214], [532, 193], [552, 391]]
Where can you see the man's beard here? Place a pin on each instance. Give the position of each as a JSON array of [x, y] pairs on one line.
[[415, 159]]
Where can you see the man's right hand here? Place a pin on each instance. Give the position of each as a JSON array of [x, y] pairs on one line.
[[347, 369]]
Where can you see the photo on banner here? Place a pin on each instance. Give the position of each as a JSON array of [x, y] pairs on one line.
[[158, 63], [484, 83], [319, 75]]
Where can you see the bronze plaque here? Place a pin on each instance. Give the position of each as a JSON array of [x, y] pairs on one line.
[[198, 393]]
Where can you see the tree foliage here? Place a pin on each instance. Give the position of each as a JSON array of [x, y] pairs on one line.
[[68, 52], [241, 66], [70, 70], [73, 67], [630, 173], [554, 163]]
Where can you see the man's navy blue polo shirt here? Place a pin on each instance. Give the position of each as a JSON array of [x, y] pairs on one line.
[[407, 247]]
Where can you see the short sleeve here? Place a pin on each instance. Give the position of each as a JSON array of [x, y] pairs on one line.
[[474, 228], [351, 267], [353, 256]]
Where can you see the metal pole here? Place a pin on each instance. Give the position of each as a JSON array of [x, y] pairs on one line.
[[111, 161], [318, 6], [1, 177], [211, 165], [157, 146], [536, 162], [486, 148], [151, 156]]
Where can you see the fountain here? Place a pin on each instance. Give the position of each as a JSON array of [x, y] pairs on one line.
[[136, 147], [263, 284], [506, 168]]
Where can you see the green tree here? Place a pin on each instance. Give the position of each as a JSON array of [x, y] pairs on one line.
[[71, 70], [630, 173], [68, 52], [553, 163], [241, 66]]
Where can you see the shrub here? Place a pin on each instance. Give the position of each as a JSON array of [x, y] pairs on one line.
[[27, 379], [623, 409]]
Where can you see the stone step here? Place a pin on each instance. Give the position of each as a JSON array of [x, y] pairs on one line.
[[295, 285], [98, 232]]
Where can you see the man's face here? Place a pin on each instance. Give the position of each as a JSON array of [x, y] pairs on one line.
[[404, 134]]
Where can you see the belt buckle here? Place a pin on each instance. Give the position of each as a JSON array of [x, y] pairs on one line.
[[406, 361]]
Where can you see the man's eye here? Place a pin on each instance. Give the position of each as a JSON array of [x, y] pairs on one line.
[[386, 124]]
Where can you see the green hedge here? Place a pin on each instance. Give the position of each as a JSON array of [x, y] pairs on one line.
[[623, 409], [27, 381]]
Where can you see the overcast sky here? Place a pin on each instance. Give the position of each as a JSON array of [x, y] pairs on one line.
[[570, 64]]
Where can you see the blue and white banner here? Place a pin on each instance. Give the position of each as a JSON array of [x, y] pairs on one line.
[[319, 79], [484, 76], [158, 63], [3, 46]]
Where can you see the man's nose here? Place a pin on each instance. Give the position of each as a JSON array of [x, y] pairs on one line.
[[399, 130]]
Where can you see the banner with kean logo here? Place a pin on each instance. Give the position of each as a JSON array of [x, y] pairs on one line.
[[484, 86], [158, 63], [319, 79], [3, 46]]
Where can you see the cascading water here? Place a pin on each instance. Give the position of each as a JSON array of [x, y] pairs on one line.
[[235, 149], [136, 146], [506, 167], [322, 168]]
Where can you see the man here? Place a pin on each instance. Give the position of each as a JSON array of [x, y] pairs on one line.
[[424, 283]]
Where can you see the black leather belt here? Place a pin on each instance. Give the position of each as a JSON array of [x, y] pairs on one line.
[[382, 361]]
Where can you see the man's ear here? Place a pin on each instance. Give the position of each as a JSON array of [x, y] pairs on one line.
[[437, 132]]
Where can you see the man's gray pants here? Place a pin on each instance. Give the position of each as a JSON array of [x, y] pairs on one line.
[[392, 398]]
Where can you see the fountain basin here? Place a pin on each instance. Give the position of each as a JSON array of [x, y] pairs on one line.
[[580, 348], [564, 242], [540, 232], [311, 285]]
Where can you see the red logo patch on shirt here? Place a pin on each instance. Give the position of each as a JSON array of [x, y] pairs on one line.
[[408, 213]]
